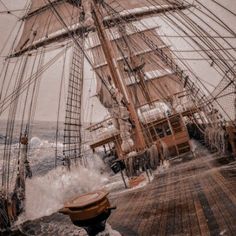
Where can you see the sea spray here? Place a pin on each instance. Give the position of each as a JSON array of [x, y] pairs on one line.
[[47, 194], [95, 162], [194, 147]]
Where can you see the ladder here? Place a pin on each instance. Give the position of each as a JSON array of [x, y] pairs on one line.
[[72, 125]]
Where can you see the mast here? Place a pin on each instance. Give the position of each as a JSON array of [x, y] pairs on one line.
[[113, 67]]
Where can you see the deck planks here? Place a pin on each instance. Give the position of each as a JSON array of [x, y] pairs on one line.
[[194, 197]]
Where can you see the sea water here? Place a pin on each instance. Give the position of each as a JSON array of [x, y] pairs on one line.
[[51, 187]]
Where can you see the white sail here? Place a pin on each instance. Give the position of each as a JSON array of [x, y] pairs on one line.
[[160, 80], [42, 26]]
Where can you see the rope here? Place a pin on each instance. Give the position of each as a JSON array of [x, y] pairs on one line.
[[227, 9], [200, 81], [8, 11], [59, 104], [7, 101]]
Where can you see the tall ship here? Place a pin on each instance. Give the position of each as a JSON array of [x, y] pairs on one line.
[[151, 106]]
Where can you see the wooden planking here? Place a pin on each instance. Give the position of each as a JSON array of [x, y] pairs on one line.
[[190, 198], [185, 210], [158, 205], [224, 216], [162, 224], [179, 210]]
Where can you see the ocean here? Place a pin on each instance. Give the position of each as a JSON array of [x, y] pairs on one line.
[[50, 187]]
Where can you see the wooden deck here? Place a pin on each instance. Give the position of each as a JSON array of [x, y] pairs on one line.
[[194, 197]]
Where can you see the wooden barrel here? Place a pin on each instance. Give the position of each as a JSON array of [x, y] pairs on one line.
[[87, 206], [89, 211]]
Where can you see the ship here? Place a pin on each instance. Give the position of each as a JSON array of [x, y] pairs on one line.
[[155, 102]]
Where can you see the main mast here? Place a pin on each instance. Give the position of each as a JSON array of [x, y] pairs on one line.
[[116, 76]]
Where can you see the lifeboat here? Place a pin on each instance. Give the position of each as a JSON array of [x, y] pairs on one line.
[[89, 211]]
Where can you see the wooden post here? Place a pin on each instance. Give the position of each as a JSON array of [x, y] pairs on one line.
[[123, 178]]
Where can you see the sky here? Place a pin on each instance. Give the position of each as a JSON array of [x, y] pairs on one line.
[[50, 81], [92, 109]]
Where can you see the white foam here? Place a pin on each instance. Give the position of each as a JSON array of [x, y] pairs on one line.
[[47, 194], [140, 185], [162, 167], [35, 142]]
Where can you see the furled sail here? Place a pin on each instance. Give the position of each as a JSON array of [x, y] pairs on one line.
[[134, 4], [111, 98], [104, 94], [38, 4]]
